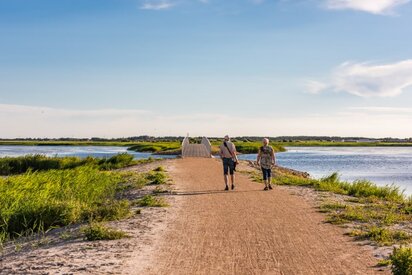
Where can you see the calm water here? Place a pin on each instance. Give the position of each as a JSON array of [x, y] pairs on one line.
[[78, 151], [382, 165]]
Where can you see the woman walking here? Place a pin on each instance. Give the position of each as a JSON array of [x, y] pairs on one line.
[[266, 159]]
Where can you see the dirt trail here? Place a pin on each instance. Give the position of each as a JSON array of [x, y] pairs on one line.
[[247, 231]]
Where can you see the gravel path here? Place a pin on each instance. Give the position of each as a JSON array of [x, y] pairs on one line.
[[246, 231]]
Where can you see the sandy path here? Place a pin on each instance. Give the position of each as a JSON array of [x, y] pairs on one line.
[[248, 231]]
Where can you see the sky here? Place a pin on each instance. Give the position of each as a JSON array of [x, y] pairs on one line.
[[119, 68]]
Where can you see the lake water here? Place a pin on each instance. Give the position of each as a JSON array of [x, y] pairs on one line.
[[77, 151], [382, 165]]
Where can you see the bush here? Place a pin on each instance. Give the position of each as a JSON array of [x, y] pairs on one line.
[[98, 231], [401, 259]]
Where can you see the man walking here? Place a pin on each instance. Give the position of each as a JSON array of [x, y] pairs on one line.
[[266, 159], [229, 158]]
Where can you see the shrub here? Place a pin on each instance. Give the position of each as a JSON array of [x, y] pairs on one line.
[[401, 259]]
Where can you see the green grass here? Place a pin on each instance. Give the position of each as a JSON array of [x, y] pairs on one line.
[[332, 183], [329, 207], [97, 231], [37, 201], [151, 201], [382, 236], [401, 259], [156, 177], [155, 147], [18, 165]]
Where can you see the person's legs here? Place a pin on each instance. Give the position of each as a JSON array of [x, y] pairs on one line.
[[270, 178], [265, 177], [232, 173], [226, 172]]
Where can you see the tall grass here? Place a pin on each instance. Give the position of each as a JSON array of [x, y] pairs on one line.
[[333, 183], [37, 201], [18, 165]]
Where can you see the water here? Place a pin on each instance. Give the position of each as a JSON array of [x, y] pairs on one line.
[[382, 165], [76, 151]]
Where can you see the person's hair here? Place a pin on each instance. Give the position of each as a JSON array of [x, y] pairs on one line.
[[265, 141], [227, 137]]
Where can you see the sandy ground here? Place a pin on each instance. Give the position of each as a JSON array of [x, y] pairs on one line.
[[205, 231], [247, 231]]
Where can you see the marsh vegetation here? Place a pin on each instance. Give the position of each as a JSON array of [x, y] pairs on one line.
[[55, 192]]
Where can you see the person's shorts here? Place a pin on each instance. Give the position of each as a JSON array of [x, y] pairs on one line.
[[267, 173], [228, 166]]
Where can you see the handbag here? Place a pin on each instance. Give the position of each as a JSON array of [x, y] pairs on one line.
[[234, 158]]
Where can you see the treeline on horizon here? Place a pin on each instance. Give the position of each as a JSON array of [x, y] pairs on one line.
[[147, 138]]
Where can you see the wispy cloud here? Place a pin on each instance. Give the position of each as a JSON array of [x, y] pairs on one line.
[[367, 80], [370, 6], [157, 5]]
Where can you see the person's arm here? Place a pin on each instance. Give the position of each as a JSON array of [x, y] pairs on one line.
[[258, 158], [221, 152], [234, 152], [273, 157]]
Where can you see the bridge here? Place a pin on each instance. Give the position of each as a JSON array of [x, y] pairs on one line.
[[202, 150]]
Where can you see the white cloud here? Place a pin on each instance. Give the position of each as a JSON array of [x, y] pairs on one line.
[[157, 5], [367, 80], [29, 121], [371, 6]]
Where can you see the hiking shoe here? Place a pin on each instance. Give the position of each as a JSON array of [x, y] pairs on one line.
[[270, 187], [227, 188], [233, 186], [266, 188]]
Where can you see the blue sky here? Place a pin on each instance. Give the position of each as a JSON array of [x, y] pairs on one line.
[[84, 68]]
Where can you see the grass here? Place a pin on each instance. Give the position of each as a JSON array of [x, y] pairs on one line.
[[156, 177], [155, 147], [332, 183], [98, 231], [401, 260], [37, 201], [381, 236], [151, 201], [18, 165]]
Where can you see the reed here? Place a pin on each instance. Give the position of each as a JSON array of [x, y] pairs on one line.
[[18, 165]]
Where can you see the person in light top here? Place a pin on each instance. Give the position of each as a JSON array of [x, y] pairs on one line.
[[266, 160]]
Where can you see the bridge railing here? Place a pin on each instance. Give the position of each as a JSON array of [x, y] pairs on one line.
[[185, 144], [206, 143]]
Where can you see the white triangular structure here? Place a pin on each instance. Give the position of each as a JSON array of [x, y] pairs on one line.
[[202, 150]]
